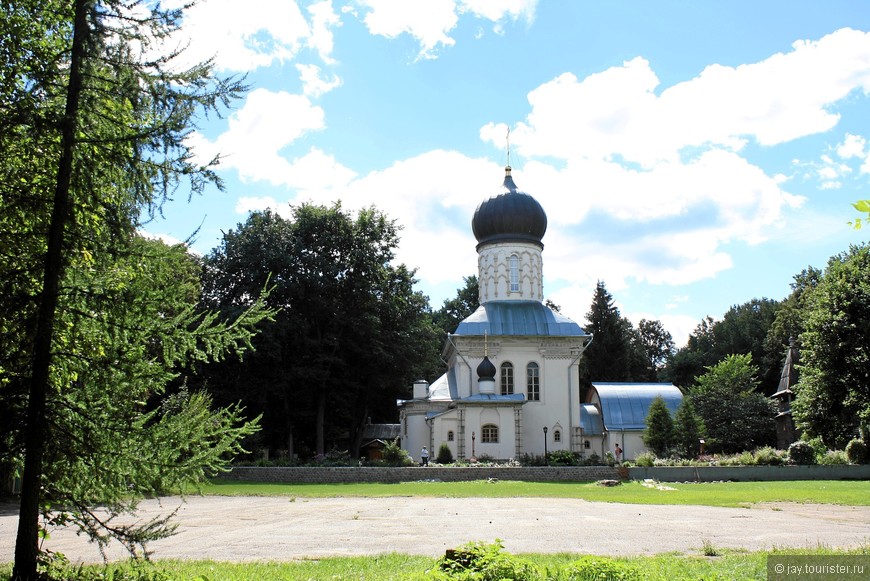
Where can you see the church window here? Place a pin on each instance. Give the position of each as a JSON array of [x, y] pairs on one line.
[[587, 444], [450, 436], [489, 434], [514, 264], [533, 382], [507, 378], [557, 435]]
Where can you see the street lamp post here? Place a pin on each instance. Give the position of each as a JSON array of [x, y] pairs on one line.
[[473, 455], [547, 460]]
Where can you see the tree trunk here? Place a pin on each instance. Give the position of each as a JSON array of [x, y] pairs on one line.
[[27, 541], [321, 416]]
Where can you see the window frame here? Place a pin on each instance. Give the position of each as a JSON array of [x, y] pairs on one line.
[[533, 381], [489, 434], [514, 273], [506, 378]]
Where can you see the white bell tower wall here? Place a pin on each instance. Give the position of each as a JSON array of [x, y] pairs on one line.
[[510, 271]]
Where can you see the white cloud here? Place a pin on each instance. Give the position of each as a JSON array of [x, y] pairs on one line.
[[852, 146], [242, 39], [430, 22], [313, 83], [247, 204], [265, 124], [618, 113], [497, 10], [323, 20]]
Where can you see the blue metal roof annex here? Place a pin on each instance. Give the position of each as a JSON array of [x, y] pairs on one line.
[[626, 405], [520, 318]]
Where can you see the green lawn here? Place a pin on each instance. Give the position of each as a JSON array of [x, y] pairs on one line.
[[734, 494], [719, 566]]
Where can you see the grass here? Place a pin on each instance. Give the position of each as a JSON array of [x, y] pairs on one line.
[[727, 565], [730, 494]]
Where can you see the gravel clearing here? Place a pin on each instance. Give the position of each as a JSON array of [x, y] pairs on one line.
[[282, 529]]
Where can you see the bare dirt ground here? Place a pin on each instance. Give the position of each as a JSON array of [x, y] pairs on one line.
[[282, 529]]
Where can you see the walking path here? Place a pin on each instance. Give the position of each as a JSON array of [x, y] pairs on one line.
[[281, 528]]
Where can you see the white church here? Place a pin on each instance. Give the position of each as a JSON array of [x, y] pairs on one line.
[[512, 385]]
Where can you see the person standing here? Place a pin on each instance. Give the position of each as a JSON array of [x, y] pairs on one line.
[[424, 456], [618, 453]]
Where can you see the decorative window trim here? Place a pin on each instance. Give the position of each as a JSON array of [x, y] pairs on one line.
[[533, 382], [506, 378], [449, 435], [514, 270], [489, 434]]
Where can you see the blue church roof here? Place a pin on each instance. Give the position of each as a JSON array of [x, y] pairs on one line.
[[523, 318], [626, 405], [590, 420]]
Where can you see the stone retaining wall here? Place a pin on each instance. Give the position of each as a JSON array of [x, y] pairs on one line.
[[309, 475], [749, 473]]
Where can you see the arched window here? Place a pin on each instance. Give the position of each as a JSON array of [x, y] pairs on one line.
[[489, 434], [514, 265], [450, 436], [533, 382], [507, 378], [557, 435]]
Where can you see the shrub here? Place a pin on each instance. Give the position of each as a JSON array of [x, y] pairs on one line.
[[645, 459], [819, 447], [595, 568], [532, 460], [564, 458], [801, 453], [856, 452], [833, 457], [485, 562], [394, 455], [445, 455], [769, 456]]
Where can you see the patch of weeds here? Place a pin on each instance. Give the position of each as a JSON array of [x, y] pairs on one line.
[[708, 549]]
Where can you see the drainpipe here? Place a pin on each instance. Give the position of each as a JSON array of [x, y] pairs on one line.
[[571, 390]]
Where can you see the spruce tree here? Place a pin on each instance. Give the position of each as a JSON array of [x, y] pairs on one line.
[[659, 433]]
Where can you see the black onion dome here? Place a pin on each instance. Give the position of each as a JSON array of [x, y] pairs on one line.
[[486, 369], [511, 216]]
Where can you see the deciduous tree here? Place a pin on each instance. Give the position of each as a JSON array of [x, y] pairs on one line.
[[736, 416], [833, 393]]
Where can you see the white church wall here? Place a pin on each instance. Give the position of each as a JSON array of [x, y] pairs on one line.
[[501, 417], [415, 434]]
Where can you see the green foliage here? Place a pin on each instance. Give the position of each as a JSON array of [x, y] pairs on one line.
[[599, 569], [527, 459], [862, 206], [646, 459], [857, 453], [395, 455], [614, 355], [802, 453], [742, 330], [688, 430], [768, 456], [833, 457], [656, 344], [563, 458], [832, 398], [351, 334], [736, 417], [94, 332], [485, 562], [659, 433], [445, 455]]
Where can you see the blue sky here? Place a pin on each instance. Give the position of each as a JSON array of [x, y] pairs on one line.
[[692, 155]]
